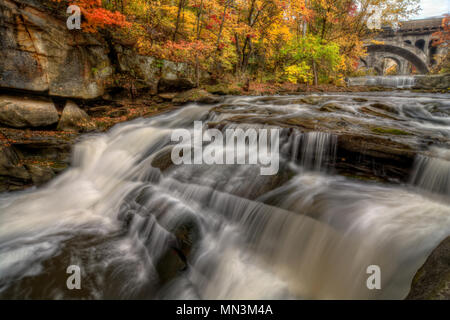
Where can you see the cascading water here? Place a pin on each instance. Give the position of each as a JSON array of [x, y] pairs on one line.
[[432, 173], [400, 82], [141, 229], [313, 149]]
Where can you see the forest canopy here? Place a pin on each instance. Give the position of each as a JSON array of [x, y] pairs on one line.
[[300, 41]]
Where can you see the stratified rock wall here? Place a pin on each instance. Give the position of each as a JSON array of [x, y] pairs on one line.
[[39, 53]]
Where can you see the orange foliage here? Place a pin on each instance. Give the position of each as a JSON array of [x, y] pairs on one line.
[[442, 38], [186, 51], [96, 17]]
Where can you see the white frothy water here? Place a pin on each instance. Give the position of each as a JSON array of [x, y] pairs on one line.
[[399, 82], [301, 234], [432, 172], [313, 149]]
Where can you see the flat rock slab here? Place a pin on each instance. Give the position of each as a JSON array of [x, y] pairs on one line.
[[20, 112]]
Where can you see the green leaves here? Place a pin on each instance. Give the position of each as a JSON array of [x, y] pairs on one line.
[[302, 53]]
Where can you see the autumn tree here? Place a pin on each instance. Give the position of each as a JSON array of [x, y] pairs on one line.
[[96, 16], [257, 39], [441, 38]]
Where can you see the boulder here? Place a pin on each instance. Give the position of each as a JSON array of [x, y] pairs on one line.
[[75, 119], [168, 96], [195, 95], [174, 85], [384, 107], [432, 280], [223, 89], [308, 100], [332, 107], [21, 112], [163, 159]]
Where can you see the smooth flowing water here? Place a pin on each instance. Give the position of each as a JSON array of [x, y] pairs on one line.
[[309, 235], [400, 82]]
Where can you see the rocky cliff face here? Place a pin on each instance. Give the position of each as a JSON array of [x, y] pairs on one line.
[[38, 53], [43, 66]]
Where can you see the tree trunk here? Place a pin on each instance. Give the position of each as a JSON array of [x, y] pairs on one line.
[[238, 54], [316, 77], [246, 55], [197, 63], [219, 36], [305, 24], [177, 24], [222, 23]]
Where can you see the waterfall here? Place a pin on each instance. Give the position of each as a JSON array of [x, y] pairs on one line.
[[400, 82], [313, 150], [140, 227], [432, 173]]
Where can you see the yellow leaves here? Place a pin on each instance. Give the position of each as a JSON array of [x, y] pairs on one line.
[[263, 29], [376, 42], [299, 73], [279, 31]]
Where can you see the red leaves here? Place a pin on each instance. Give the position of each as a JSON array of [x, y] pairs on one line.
[[97, 17], [443, 37], [352, 9], [186, 51]]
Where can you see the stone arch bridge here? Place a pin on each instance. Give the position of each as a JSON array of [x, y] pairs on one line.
[[411, 44]]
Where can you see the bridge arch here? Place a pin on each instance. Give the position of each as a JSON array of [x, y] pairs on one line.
[[397, 60], [420, 44], [410, 53]]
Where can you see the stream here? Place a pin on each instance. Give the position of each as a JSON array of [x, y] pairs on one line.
[[141, 228]]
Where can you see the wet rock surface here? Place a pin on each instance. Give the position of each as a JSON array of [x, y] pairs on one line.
[[183, 231], [20, 112], [374, 138], [195, 95], [433, 82], [75, 119], [432, 281], [32, 157]]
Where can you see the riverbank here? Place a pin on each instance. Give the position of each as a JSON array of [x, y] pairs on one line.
[[33, 155], [257, 89]]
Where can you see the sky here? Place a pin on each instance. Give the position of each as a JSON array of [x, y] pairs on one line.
[[432, 8]]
